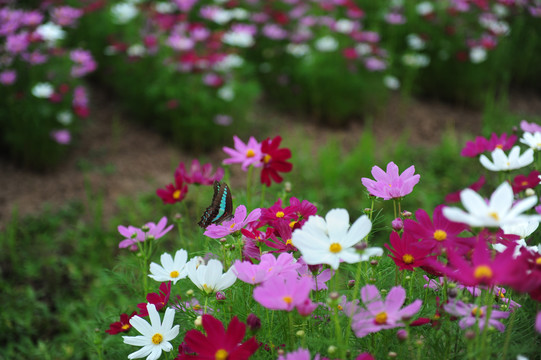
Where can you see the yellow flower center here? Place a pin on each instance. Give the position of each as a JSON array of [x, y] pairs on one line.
[[196, 307], [280, 214], [221, 354], [289, 242], [340, 307], [524, 183], [287, 299], [408, 258], [292, 224], [440, 235], [482, 272], [335, 248], [176, 194], [157, 338], [174, 274], [494, 215], [267, 158], [538, 261], [232, 226], [250, 153], [207, 289], [476, 311], [499, 146], [125, 326], [381, 318], [500, 294]]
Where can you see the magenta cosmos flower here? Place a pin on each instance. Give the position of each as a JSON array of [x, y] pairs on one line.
[[434, 234], [389, 184], [198, 174], [174, 193], [283, 292], [268, 267], [228, 227], [382, 314], [219, 343], [480, 144], [405, 252], [472, 313], [246, 154]]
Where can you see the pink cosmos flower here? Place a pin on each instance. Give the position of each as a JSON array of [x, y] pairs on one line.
[[475, 147], [472, 313], [538, 322], [199, 174], [299, 354], [8, 77], [283, 293], [84, 63], [134, 235], [382, 314], [435, 234], [246, 154], [62, 137], [389, 184], [239, 221], [318, 278], [480, 144], [66, 15], [529, 127], [269, 266]]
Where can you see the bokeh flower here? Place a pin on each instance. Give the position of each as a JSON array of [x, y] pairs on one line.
[[274, 160], [174, 192], [198, 174], [246, 154], [470, 314], [283, 292]]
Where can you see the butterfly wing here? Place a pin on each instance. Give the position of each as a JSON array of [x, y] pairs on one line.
[[221, 207]]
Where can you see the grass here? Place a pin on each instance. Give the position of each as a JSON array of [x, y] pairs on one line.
[[64, 280]]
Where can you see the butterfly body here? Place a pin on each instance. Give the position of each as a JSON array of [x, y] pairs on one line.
[[221, 207]]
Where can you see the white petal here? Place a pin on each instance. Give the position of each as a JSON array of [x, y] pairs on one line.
[[473, 202], [141, 325], [502, 199], [139, 340], [360, 228], [487, 163], [144, 351], [337, 224]]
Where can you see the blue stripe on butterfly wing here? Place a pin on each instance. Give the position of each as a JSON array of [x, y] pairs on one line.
[[221, 211]]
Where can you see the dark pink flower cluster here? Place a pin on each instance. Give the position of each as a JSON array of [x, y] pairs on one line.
[[481, 144], [197, 174]]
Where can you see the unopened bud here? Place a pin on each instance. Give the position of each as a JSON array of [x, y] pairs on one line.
[[220, 296], [145, 228], [392, 354], [351, 283], [178, 216], [280, 352], [452, 293], [420, 341], [300, 333], [407, 278], [332, 349], [253, 322], [232, 247], [406, 214], [150, 237], [222, 240], [287, 187], [374, 262], [367, 211], [383, 291], [198, 321], [334, 295], [397, 224], [361, 246], [470, 334], [189, 292], [529, 192], [402, 335], [372, 280]]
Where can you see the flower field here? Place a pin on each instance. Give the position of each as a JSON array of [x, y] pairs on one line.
[[266, 240]]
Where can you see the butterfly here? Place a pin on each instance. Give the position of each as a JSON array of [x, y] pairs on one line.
[[221, 207]]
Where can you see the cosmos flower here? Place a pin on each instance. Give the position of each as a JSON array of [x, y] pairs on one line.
[[198, 174], [268, 267], [174, 193], [522, 182], [238, 222], [121, 326], [331, 240], [155, 336], [502, 162], [381, 314], [500, 210], [404, 252], [470, 314], [171, 269], [246, 154], [533, 140], [219, 343], [274, 160], [283, 292], [389, 184], [159, 299], [210, 278]]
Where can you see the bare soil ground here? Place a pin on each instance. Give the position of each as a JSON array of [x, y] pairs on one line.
[[121, 158]]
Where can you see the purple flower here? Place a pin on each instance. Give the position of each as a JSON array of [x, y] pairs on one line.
[[283, 292], [65, 15], [538, 322], [374, 64], [17, 43], [239, 221], [8, 77], [318, 279], [471, 313], [62, 137], [391, 185], [299, 354], [529, 127], [267, 268], [380, 314], [134, 235], [198, 174], [84, 63], [246, 154]]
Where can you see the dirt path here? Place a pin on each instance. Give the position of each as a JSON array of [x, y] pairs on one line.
[[122, 158]]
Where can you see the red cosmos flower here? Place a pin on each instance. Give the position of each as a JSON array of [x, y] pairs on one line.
[[525, 275], [121, 326], [522, 182], [199, 174], [276, 212], [282, 244], [174, 193], [274, 160], [404, 251], [437, 234], [159, 300], [219, 343]]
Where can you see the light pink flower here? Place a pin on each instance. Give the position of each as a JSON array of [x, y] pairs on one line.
[[283, 292], [538, 322], [246, 154], [471, 313], [529, 127], [62, 137], [134, 235], [268, 267], [389, 184], [239, 221], [382, 314]]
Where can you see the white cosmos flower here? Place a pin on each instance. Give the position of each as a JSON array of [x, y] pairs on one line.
[[326, 44], [238, 38], [171, 270], [331, 240], [123, 12], [50, 32], [478, 54], [523, 229], [155, 336], [533, 140], [502, 162], [210, 277], [42, 90], [500, 210]]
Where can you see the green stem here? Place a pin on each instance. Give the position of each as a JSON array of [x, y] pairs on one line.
[[249, 185]]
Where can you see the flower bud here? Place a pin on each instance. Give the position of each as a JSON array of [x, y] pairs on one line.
[[145, 228], [253, 322], [300, 333], [367, 211], [178, 216], [189, 292], [383, 291], [529, 192], [361, 246], [374, 262], [198, 321], [332, 349], [420, 341], [334, 295], [220, 296], [222, 240], [402, 335], [470, 334], [280, 352], [406, 214], [407, 278], [452, 293], [287, 187], [392, 354], [372, 280], [397, 224], [351, 284]]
